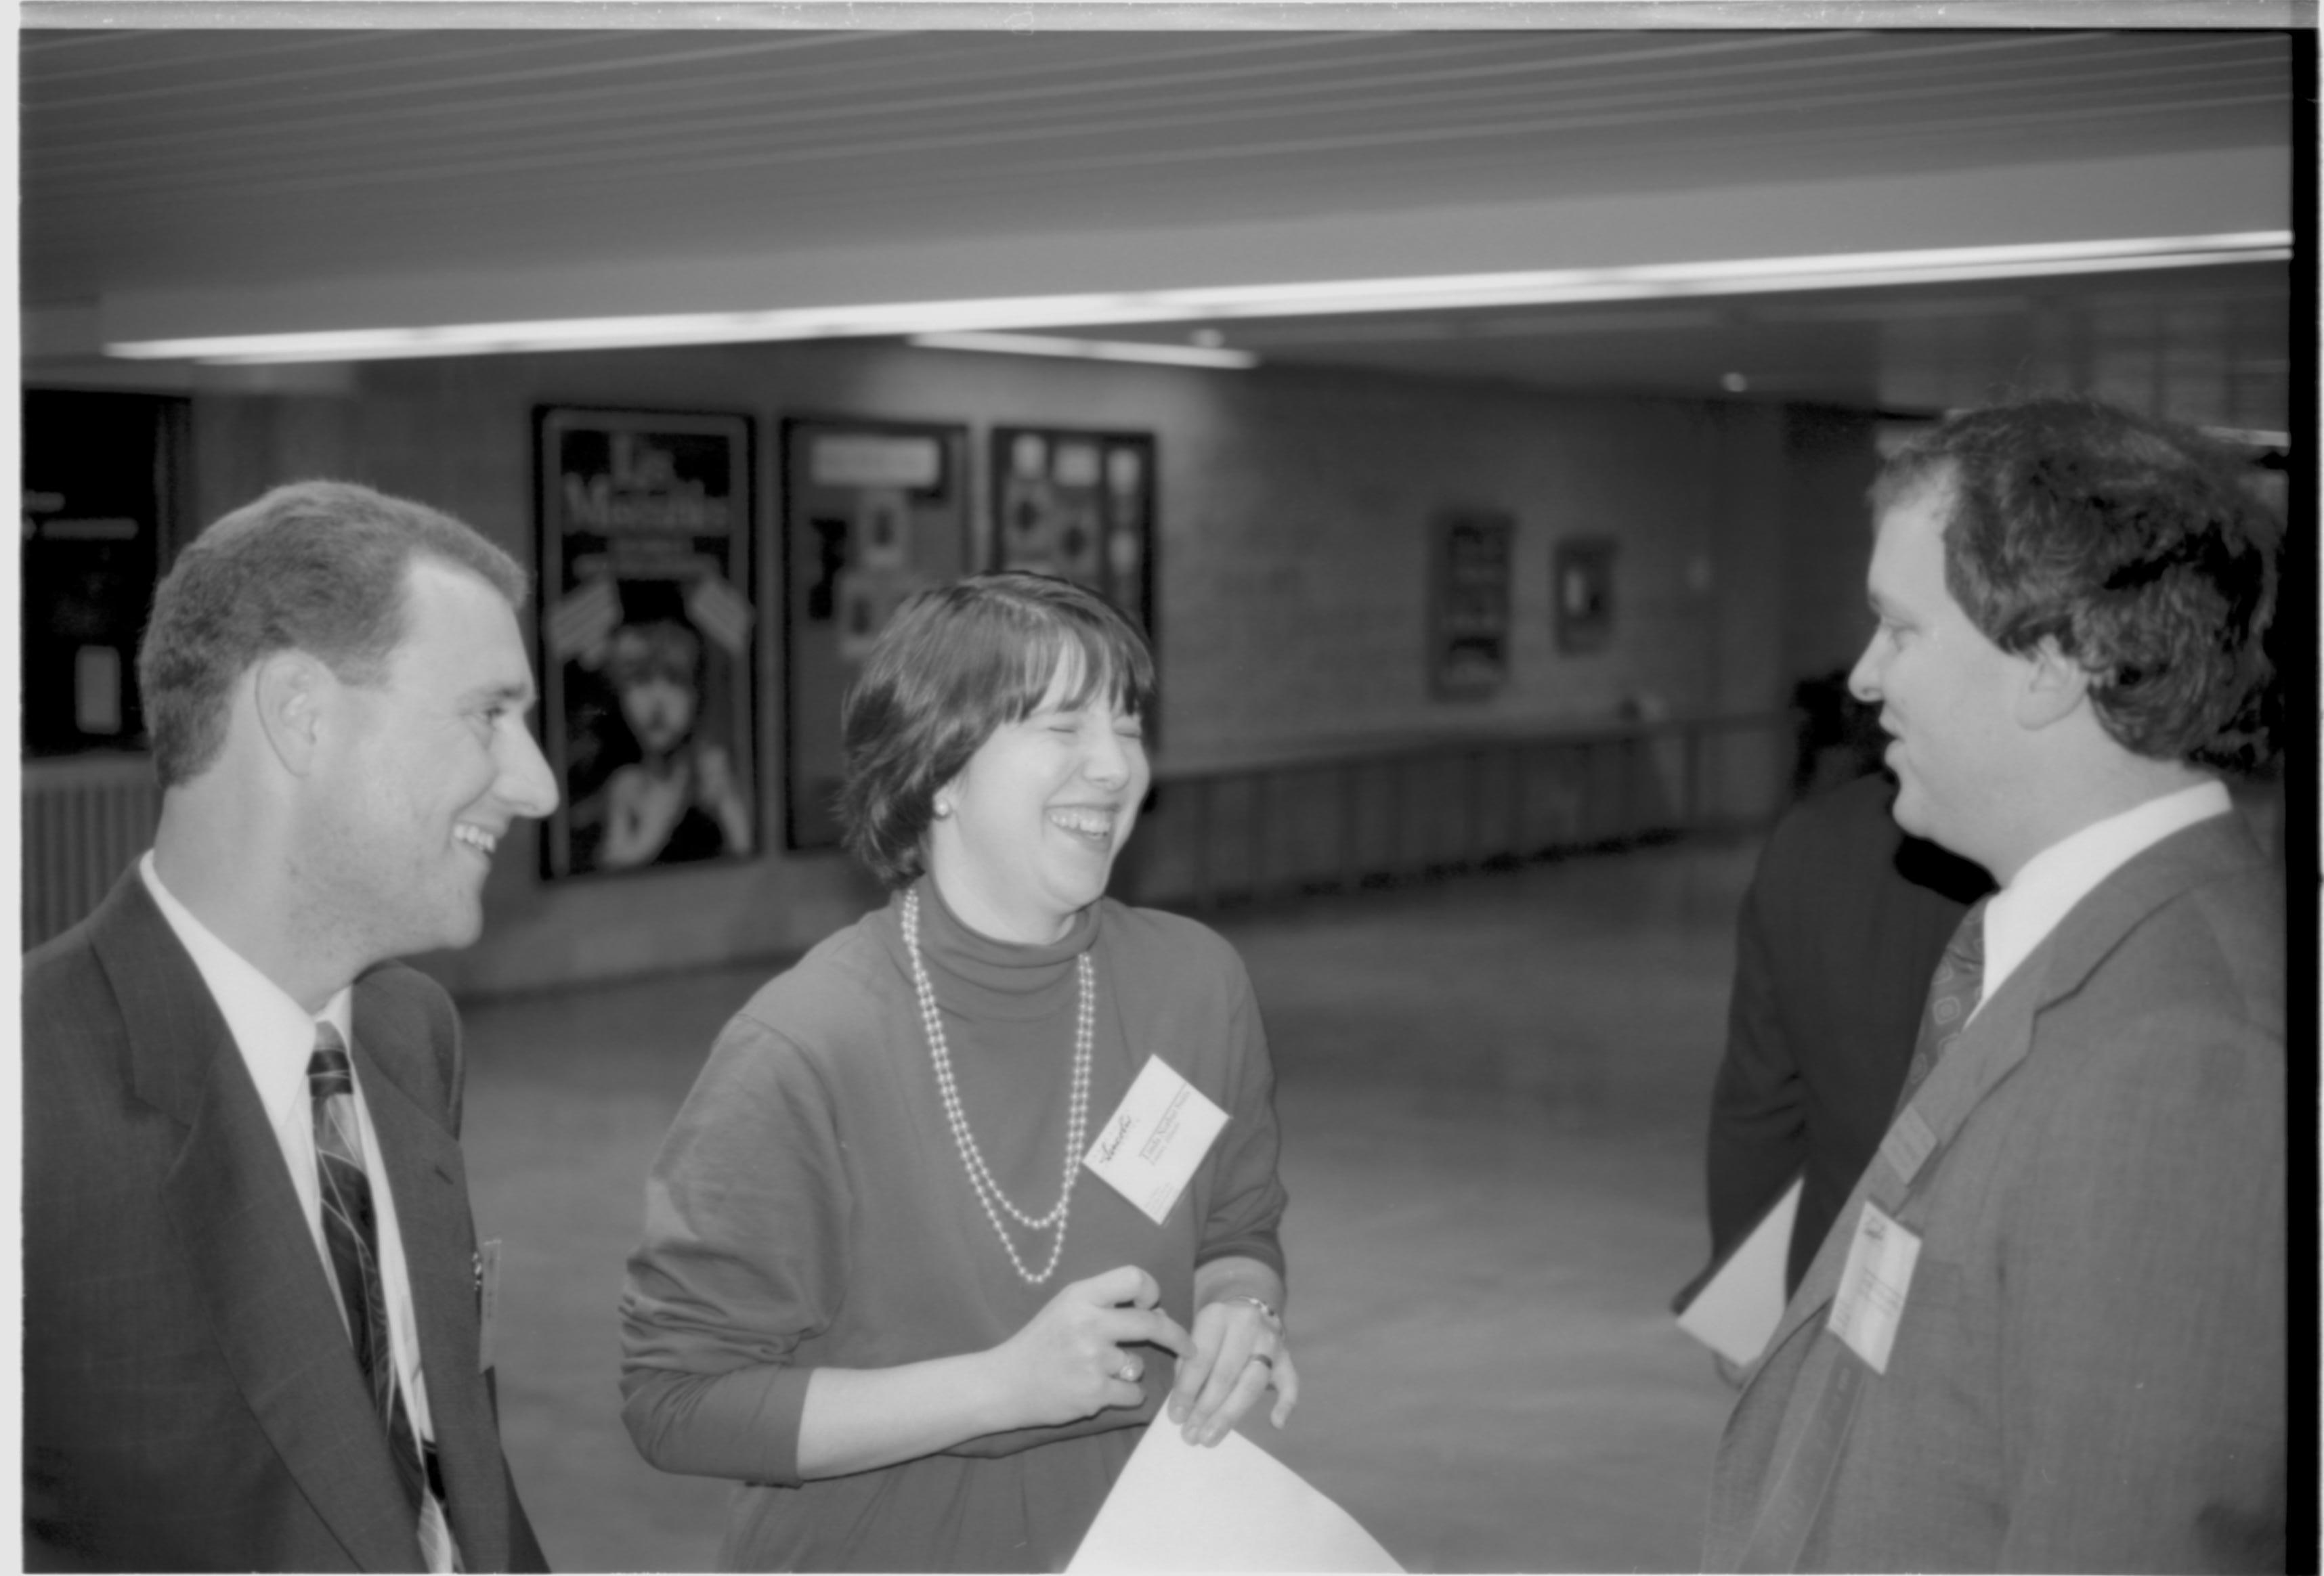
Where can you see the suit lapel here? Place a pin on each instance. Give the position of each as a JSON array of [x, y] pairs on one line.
[[1996, 1041], [248, 1252], [2001, 1035], [425, 1171]]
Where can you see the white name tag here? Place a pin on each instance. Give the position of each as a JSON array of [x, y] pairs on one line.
[[1150, 1146], [1870, 1302]]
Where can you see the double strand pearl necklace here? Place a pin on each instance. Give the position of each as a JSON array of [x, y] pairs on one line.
[[980, 1176]]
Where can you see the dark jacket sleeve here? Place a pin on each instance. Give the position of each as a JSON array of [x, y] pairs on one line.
[[1758, 1103]]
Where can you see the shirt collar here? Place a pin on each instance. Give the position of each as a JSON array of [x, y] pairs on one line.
[[2023, 914], [274, 1033]]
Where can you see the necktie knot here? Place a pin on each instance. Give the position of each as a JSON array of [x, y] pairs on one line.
[[327, 1069], [1954, 992]]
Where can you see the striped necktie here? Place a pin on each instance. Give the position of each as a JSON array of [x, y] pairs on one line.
[[351, 1232], [1954, 992]]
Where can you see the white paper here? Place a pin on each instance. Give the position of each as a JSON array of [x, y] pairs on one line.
[[1151, 1143], [1737, 1311], [1230, 1506]]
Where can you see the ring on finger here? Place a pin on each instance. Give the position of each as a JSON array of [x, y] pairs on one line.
[[1129, 1370], [1262, 1356]]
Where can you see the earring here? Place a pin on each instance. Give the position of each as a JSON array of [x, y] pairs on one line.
[[942, 808]]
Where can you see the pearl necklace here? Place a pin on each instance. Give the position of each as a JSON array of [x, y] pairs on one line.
[[980, 1176]]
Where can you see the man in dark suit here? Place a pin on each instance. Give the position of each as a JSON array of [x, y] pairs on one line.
[[2049, 1328], [254, 1295], [1843, 923]]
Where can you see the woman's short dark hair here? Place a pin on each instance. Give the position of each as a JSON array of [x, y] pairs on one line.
[[315, 567], [954, 664], [2142, 547]]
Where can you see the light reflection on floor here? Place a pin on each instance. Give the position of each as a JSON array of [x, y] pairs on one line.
[[1492, 1089]]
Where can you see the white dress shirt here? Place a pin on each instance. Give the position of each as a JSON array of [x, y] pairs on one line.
[[2023, 914], [277, 1039]]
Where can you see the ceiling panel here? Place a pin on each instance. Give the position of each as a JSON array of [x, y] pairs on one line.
[[164, 157], [1908, 348], [158, 161]]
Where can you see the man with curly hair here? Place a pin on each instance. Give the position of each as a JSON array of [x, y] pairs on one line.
[[2048, 1329]]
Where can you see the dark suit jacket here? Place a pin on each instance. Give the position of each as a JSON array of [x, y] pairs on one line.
[[2089, 1370], [1840, 931], [190, 1399]]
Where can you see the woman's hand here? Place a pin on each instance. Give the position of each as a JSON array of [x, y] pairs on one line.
[[1239, 1353], [1068, 1362]]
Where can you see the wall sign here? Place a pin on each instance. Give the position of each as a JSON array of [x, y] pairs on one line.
[[1469, 604], [1581, 590], [648, 633], [1078, 505], [872, 512]]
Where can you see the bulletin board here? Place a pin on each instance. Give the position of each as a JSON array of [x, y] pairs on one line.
[[1468, 602], [872, 510], [649, 638], [1079, 505]]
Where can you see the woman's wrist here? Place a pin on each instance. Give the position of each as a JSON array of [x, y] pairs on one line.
[[1267, 1309], [857, 1419]]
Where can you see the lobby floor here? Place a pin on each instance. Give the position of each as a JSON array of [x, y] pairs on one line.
[[1493, 1090]]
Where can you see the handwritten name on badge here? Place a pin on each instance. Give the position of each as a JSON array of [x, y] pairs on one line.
[[1873, 1286], [1147, 1149]]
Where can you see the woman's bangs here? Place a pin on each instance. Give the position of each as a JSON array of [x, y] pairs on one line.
[[1055, 646]]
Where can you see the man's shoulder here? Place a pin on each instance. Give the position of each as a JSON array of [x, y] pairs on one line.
[[2200, 916], [58, 972], [74, 1046], [65, 982], [2171, 976]]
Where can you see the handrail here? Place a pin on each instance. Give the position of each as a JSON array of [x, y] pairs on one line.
[[1344, 812], [1171, 764], [1320, 813]]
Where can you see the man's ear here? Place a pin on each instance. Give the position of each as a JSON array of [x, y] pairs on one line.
[[2054, 685], [290, 692]]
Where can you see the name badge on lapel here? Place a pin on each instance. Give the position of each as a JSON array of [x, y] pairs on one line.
[[1879, 1276], [488, 1304], [1149, 1148]]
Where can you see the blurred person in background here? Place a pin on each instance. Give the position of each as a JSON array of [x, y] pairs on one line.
[[1844, 922]]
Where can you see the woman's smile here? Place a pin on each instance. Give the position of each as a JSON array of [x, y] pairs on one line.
[[1093, 824]]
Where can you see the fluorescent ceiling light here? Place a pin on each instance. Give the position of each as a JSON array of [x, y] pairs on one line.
[[1091, 349], [2251, 437], [1443, 292]]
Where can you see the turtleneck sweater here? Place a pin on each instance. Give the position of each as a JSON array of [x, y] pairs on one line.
[[810, 1207]]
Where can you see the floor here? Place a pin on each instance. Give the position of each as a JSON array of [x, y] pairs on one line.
[[1492, 1088]]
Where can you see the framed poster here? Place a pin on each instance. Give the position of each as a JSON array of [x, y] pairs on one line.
[[1469, 603], [872, 512], [1079, 505], [1581, 591], [649, 638]]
